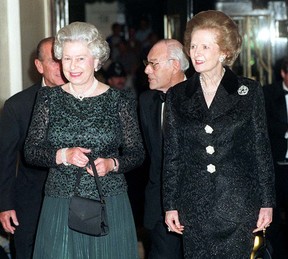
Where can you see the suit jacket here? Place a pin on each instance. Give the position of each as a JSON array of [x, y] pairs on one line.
[[150, 116], [276, 119], [217, 161], [20, 183]]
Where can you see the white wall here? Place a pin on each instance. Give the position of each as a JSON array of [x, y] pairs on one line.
[[10, 50], [23, 23], [35, 25]]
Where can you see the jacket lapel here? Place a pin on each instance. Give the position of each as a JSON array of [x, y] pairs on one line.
[[227, 95], [225, 99]]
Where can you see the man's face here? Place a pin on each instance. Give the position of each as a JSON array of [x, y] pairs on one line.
[[159, 69], [49, 67]]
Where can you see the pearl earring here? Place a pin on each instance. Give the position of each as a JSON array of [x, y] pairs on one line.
[[221, 59]]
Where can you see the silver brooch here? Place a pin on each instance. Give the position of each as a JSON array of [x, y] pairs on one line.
[[243, 90]]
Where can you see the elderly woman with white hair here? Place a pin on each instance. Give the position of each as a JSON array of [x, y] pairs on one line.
[[84, 117]]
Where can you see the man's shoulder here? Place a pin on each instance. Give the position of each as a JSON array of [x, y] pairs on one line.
[[23, 101], [25, 94], [180, 87], [274, 90], [148, 94], [272, 86]]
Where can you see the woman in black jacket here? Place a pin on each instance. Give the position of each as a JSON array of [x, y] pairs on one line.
[[218, 172]]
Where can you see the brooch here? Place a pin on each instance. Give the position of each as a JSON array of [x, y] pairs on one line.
[[243, 90]]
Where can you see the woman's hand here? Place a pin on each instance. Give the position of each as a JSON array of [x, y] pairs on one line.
[[264, 219], [103, 166], [73, 156], [172, 221]]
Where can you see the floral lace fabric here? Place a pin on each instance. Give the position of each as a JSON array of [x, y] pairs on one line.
[[107, 124]]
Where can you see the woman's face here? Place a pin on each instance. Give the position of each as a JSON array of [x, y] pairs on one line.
[[78, 63], [204, 51]]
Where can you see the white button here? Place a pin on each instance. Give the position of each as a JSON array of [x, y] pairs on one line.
[[211, 168], [208, 129], [210, 150]]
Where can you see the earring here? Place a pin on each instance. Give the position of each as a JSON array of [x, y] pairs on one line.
[[221, 59]]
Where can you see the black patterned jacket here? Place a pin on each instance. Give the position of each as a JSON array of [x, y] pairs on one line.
[[217, 161]]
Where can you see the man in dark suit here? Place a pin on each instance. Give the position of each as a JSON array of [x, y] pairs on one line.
[[276, 100], [21, 185], [165, 67]]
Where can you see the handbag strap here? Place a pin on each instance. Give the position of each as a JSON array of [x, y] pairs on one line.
[[96, 178]]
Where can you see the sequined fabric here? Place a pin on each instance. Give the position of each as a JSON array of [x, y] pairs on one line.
[[107, 124], [218, 170]]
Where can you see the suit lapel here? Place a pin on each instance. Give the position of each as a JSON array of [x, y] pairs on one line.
[[155, 116]]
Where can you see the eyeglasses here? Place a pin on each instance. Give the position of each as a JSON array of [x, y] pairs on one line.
[[154, 64]]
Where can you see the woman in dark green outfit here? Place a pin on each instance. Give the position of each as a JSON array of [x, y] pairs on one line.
[[84, 116]]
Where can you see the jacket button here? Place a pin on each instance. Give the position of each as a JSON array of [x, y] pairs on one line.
[[208, 129], [210, 150], [211, 168]]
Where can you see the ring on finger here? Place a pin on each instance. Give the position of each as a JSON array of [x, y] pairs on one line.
[[169, 229]]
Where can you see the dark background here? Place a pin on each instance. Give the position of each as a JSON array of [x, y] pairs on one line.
[[153, 9]]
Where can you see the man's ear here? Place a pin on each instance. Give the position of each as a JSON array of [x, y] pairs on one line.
[[176, 65], [38, 65]]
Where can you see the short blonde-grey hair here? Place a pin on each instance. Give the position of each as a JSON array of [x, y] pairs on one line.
[[81, 31], [228, 36]]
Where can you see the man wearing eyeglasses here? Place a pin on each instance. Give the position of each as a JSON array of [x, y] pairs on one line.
[[165, 67]]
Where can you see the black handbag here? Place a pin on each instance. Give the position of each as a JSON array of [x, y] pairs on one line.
[[88, 216], [262, 248]]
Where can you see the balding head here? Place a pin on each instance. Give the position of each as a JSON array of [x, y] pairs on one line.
[[166, 64]]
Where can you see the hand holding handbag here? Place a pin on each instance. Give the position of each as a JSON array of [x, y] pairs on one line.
[[262, 248], [88, 216]]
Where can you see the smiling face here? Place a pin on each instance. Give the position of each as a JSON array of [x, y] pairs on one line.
[[204, 51], [78, 63]]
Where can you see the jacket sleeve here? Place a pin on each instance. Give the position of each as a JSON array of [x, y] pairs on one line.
[[264, 162], [132, 149], [9, 146], [37, 149], [171, 167]]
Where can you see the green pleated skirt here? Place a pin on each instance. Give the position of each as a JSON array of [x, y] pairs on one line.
[[56, 241]]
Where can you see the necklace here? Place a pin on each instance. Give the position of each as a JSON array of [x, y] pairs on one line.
[[203, 84], [203, 88], [209, 92], [84, 94]]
